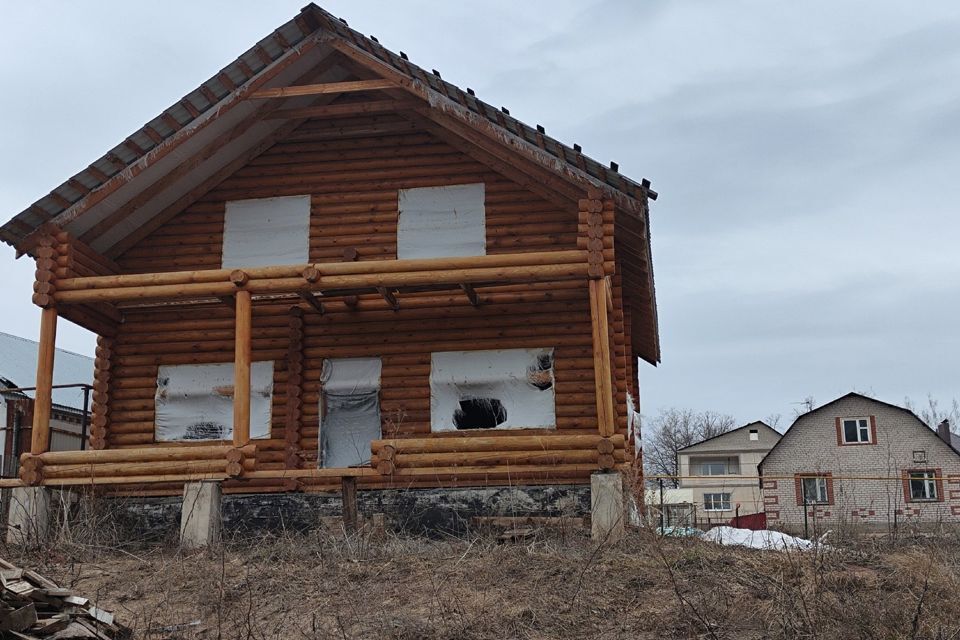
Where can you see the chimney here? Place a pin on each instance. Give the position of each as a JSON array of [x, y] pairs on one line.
[[943, 430]]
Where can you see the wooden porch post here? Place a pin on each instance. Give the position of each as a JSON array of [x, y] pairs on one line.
[[40, 438], [601, 356], [241, 371]]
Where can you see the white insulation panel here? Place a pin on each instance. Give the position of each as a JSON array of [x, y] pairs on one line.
[[195, 401], [439, 222], [349, 410], [520, 380], [266, 232]]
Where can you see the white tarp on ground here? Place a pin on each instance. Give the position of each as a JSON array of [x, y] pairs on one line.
[[764, 539], [195, 401], [438, 222], [349, 410], [266, 232], [517, 382]]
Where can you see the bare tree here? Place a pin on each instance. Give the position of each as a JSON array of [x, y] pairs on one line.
[[933, 414], [673, 429]]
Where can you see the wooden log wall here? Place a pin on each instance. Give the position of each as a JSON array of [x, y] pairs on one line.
[[353, 182]]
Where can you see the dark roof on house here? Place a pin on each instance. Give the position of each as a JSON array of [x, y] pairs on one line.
[[953, 444]]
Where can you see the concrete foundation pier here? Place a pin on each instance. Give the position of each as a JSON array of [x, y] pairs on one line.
[[29, 520], [607, 508], [200, 517]]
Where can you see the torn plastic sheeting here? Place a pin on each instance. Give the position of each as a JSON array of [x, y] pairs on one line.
[[438, 222], [521, 380], [349, 410], [195, 401], [266, 232]]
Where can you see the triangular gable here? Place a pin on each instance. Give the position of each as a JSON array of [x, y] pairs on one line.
[[181, 154]]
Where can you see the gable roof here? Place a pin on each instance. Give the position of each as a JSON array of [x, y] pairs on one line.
[[758, 423], [181, 154], [18, 368], [853, 394]]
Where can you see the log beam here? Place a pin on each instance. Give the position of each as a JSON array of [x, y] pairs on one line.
[[242, 357], [322, 88]]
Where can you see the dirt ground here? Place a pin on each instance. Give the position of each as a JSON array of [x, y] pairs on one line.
[[550, 584]]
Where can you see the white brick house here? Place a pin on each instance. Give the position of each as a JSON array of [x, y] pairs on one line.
[[861, 461]]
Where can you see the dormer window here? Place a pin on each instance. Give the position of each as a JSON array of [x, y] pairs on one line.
[[857, 431], [754, 435]]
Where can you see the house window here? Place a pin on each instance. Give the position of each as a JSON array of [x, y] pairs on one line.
[[195, 401], [923, 485], [856, 431], [716, 502], [438, 222], [498, 389], [715, 466], [266, 232], [754, 434], [349, 410], [814, 489]]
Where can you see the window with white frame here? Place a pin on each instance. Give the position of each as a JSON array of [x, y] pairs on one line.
[[195, 401], [923, 485], [856, 431], [266, 232], [349, 410], [495, 389], [815, 490], [719, 466], [716, 502], [440, 222]]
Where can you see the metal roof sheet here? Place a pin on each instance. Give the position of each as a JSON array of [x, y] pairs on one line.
[[18, 365]]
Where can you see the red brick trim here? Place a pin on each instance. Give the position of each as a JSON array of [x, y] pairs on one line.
[[955, 494], [770, 484], [775, 515], [955, 510], [873, 429], [839, 422], [938, 478], [771, 499]]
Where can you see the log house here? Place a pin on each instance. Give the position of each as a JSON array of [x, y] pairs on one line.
[[377, 274]]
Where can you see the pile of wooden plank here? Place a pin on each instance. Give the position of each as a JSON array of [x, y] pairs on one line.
[[32, 606]]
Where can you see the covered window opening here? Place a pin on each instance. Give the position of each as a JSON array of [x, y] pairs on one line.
[[266, 232], [349, 411], [195, 401], [496, 389], [439, 222]]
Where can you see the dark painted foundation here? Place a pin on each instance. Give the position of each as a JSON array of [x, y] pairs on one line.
[[430, 511]]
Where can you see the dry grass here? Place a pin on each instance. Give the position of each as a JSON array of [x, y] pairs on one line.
[[554, 585]]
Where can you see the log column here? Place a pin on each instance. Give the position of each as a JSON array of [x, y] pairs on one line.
[[40, 440], [241, 371], [592, 223]]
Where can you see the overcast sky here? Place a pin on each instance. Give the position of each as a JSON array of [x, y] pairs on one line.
[[807, 154]]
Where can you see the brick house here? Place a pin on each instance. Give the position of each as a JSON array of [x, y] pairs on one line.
[[860, 461], [722, 472]]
